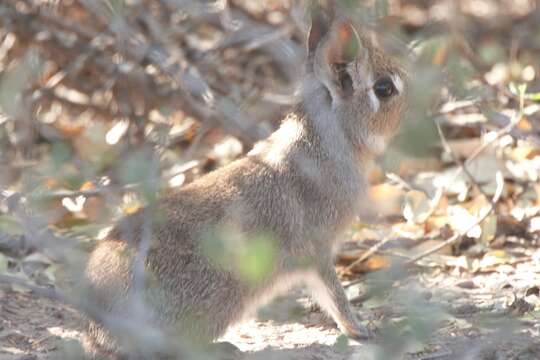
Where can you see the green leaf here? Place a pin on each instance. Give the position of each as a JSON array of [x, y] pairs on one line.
[[257, 259], [342, 343], [533, 96]]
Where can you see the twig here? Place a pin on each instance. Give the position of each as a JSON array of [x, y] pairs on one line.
[[400, 181], [372, 250], [502, 132], [386, 252], [455, 158], [499, 179], [196, 141], [192, 95], [498, 192], [443, 354], [101, 190], [377, 251]]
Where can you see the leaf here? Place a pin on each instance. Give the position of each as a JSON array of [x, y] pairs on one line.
[[484, 167], [489, 228], [251, 256], [38, 257], [416, 207], [533, 96], [524, 170], [388, 198], [480, 206], [534, 224], [257, 259], [437, 222], [92, 146], [463, 148], [342, 343], [526, 205], [452, 179], [69, 129], [461, 262], [131, 206], [373, 263], [116, 133], [74, 204], [354, 291], [493, 258], [411, 231], [462, 220]]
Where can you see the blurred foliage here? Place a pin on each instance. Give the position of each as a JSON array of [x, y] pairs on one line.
[[251, 256]]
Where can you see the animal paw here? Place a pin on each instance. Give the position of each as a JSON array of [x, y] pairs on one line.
[[358, 332]]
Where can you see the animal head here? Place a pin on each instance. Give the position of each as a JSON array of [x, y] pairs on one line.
[[361, 86]]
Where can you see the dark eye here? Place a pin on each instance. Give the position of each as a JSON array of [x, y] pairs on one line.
[[384, 88]]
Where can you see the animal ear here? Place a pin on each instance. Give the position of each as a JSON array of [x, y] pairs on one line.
[[320, 25], [330, 28], [339, 47], [344, 43]]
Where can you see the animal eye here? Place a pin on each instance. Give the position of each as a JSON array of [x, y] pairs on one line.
[[384, 88]]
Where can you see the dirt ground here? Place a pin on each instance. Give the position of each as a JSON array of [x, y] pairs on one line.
[[37, 328]]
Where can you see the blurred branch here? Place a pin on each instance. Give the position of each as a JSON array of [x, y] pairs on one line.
[[138, 56], [103, 190], [372, 250]]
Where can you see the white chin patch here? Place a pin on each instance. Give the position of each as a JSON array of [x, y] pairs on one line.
[[376, 143]]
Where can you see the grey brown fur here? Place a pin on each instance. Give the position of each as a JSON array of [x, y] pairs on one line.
[[302, 186]]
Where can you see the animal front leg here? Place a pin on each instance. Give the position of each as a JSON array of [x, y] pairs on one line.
[[328, 292]]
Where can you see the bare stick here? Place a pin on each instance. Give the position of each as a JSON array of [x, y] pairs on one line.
[[372, 250], [103, 189], [461, 164], [498, 192], [498, 179]]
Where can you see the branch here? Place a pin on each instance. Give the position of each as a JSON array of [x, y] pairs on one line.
[[104, 189], [463, 168], [372, 250], [498, 192]]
